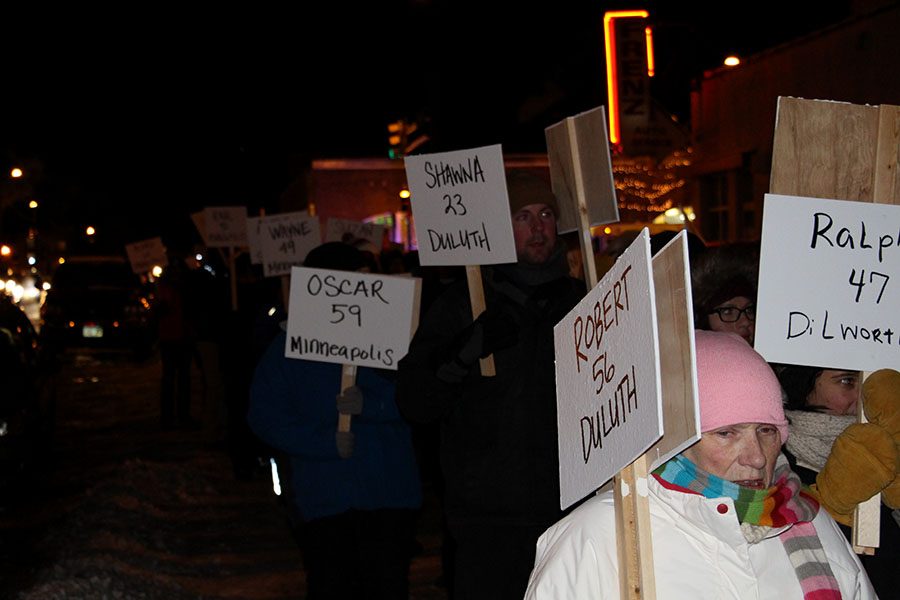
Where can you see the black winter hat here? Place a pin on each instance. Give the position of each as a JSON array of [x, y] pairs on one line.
[[335, 255]]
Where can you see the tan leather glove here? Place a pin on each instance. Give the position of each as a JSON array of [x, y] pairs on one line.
[[881, 399], [862, 463]]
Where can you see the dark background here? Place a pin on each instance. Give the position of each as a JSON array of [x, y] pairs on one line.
[[160, 111]]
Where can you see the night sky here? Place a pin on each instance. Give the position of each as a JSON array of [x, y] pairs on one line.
[[166, 111]]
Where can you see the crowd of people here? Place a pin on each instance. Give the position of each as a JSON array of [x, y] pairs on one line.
[[760, 507]]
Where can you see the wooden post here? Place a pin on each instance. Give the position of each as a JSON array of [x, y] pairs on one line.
[[581, 166], [476, 297], [825, 150], [635, 547], [348, 379]]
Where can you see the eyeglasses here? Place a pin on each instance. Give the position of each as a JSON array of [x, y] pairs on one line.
[[731, 314]]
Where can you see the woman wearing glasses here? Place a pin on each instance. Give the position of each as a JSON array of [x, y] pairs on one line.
[[724, 289]]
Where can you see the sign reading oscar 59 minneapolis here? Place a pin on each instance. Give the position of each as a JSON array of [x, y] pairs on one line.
[[609, 410], [829, 284], [350, 318], [461, 208]]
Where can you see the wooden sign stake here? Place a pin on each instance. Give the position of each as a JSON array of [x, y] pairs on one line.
[[476, 297]]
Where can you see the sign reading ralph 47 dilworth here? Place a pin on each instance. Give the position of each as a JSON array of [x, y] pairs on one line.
[[829, 283]]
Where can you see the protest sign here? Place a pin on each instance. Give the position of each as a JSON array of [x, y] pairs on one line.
[[226, 226], [843, 316], [351, 318], [146, 254], [677, 354], [461, 207], [346, 230], [607, 376], [836, 150], [581, 170], [286, 239]]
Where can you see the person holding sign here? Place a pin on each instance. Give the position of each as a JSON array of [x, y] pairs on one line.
[[498, 449], [845, 462], [353, 496], [729, 518]]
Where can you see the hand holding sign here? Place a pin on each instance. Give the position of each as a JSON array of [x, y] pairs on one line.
[[460, 203]]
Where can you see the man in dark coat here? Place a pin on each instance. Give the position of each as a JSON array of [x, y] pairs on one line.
[[499, 454]]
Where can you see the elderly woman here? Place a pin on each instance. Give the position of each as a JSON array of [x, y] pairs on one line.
[[728, 516]]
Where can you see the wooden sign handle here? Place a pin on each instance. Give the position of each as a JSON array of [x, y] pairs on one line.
[[476, 297], [866, 534], [635, 548], [348, 379]]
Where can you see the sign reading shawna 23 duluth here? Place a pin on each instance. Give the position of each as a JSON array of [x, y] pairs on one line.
[[461, 207]]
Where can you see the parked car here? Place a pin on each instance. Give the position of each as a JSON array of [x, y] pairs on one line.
[[25, 414], [97, 301]]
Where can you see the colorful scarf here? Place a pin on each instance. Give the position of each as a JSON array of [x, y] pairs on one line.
[[784, 504]]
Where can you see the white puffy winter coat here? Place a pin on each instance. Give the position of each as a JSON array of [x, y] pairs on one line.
[[699, 553]]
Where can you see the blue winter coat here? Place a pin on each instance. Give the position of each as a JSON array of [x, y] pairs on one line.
[[292, 409]]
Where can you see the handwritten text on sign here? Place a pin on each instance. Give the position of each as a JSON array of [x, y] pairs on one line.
[[461, 208], [146, 254], [607, 376], [226, 226], [349, 318], [345, 230], [286, 239], [829, 283]]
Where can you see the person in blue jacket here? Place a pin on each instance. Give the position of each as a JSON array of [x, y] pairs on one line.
[[355, 495]]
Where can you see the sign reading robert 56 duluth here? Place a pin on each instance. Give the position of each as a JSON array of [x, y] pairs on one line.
[[829, 283]]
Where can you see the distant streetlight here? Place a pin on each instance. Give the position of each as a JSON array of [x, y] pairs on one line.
[[16, 173], [732, 61], [404, 194], [90, 230], [32, 204], [5, 250]]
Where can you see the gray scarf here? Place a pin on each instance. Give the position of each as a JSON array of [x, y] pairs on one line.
[[813, 434]]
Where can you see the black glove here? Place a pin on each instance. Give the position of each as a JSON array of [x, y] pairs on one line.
[[492, 331], [344, 441], [350, 401], [500, 331]]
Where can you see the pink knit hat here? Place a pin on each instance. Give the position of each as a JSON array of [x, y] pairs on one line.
[[736, 384]]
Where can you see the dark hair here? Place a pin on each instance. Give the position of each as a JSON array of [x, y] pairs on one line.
[[797, 382], [721, 273], [335, 255]]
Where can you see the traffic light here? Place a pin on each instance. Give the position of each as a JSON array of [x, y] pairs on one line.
[[397, 139], [404, 137]]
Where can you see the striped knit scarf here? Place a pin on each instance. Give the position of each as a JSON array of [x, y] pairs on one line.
[[783, 504]]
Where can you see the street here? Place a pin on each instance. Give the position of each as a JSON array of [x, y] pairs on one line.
[[122, 509]]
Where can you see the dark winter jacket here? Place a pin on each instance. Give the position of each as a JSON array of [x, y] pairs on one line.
[[499, 451], [293, 409]]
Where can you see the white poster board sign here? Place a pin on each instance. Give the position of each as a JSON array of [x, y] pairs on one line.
[[254, 240], [146, 254], [461, 207], [286, 239], [346, 230], [351, 318], [226, 226], [829, 283], [607, 376]]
